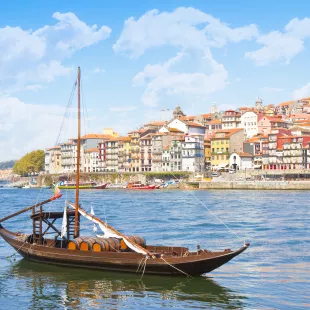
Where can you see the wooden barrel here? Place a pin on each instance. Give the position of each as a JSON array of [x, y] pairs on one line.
[[101, 244], [75, 243], [114, 244], [87, 244], [136, 239], [106, 244]]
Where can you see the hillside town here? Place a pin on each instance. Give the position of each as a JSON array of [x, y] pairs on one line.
[[273, 137]]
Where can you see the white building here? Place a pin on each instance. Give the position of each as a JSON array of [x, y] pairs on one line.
[[241, 161], [249, 121], [193, 153], [91, 161], [166, 159]]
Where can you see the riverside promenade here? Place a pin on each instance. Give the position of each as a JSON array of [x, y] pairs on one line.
[[257, 185]]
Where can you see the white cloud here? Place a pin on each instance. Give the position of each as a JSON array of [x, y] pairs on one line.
[[122, 109], [160, 80], [193, 32], [184, 28], [302, 92], [25, 127], [272, 89], [282, 46], [35, 56]]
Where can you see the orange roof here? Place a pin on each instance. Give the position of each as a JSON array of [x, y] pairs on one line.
[[92, 150], [147, 137], [214, 122], [253, 139], [125, 138], [53, 148], [207, 115], [303, 115], [187, 118], [175, 130], [242, 154], [228, 132], [282, 104], [157, 123], [194, 124]]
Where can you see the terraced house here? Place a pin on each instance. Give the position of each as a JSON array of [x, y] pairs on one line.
[[223, 143], [53, 160], [124, 154]]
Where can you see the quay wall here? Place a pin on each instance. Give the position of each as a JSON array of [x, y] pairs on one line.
[[257, 185]]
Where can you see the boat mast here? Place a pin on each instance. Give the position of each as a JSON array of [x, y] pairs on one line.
[[77, 181]]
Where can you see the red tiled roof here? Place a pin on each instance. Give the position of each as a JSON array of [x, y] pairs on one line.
[[192, 124], [214, 122], [187, 118]]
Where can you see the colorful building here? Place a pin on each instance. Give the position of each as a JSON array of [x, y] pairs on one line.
[[223, 143]]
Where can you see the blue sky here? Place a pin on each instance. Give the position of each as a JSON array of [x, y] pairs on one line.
[[138, 61]]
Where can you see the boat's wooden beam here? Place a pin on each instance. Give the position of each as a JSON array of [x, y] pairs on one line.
[[50, 225], [28, 208]]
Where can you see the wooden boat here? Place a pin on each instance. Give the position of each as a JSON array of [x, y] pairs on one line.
[[140, 186], [92, 185], [113, 251]]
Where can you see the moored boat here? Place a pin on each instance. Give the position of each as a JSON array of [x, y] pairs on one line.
[[91, 185], [139, 185]]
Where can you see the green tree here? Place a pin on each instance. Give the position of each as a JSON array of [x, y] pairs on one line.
[[32, 162]]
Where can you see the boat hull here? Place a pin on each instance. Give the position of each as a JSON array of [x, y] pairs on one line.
[[101, 186], [147, 187], [194, 265]]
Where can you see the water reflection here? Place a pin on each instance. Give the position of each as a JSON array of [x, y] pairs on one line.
[[48, 286]]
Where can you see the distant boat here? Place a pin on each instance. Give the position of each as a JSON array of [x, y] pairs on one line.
[[91, 185], [116, 186], [140, 186]]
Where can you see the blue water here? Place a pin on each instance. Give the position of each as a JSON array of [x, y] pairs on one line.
[[274, 273]]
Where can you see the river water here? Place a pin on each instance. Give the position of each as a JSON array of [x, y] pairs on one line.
[[274, 273]]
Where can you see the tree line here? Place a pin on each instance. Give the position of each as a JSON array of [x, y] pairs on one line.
[[32, 162]]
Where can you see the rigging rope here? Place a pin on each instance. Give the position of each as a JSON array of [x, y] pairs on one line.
[[190, 192], [175, 267]]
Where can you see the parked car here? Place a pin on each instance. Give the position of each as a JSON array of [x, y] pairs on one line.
[[215, 174], [231, 171]]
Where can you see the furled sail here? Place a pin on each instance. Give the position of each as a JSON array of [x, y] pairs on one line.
[[92, 212], [64, 223], [110, 232]]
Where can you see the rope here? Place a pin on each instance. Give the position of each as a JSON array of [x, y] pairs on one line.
[[190, 192], [175, 267], [146, 258], [217, 217]]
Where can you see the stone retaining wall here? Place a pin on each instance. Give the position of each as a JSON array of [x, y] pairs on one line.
[[259, 185]]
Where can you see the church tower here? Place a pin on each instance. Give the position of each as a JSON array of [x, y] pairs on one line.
[[177, 113]]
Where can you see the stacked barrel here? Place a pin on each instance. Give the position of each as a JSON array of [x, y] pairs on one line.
[[97, 244]]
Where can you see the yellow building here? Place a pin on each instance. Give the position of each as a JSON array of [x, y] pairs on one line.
[[223, 143], [110, 132], [207, 152]]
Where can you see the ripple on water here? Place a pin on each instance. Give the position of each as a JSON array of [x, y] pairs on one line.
[[273, 273]]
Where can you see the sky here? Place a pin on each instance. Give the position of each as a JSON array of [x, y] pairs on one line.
[[140, 57]]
